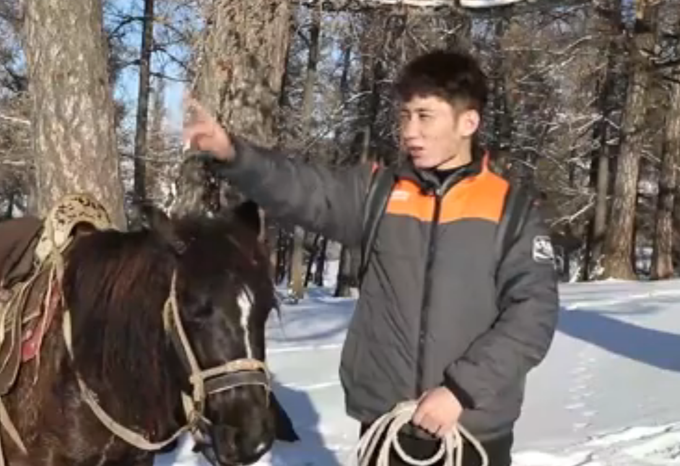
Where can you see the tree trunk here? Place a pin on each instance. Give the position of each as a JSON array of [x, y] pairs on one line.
[[662, 256], [297, 286], [501, 120], [342, 283], [141, 140], [242, 60], [320, 262], [311, 260], [155, 163], [281, 263], [662, 259], [297, 266], [279, 235], [607, 22], [372, 72], [345, 276], [74, 141], [620, 233], [9, 213], [241, 63]]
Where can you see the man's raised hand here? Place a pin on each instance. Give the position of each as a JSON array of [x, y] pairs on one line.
[[203, 133]]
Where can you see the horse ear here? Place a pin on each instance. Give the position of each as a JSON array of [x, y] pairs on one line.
[[248, 212], [156, 220]]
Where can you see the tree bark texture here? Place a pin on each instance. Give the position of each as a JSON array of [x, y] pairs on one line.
[[606, 23], [241, 63], [297, 266], [620, 239], [141, 138], [155, 164], [662, 257], [375, 37], [74, 141], [343, 279]]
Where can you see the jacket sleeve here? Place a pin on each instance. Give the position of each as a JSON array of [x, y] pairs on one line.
[[524, 329], [319, 198]]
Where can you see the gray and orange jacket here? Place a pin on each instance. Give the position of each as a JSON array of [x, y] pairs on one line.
[[433, 308]]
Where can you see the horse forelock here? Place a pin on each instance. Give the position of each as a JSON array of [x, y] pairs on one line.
[[228, 248]]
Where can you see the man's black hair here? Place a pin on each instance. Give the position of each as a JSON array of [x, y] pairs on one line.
[[454, 76]]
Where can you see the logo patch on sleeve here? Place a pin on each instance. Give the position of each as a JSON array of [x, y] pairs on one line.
[[542, 250]]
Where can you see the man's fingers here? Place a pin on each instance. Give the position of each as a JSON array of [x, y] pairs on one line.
[[197, 130], [189, 137], [194, 111], [425, 421], [417, 417], [431, 424]]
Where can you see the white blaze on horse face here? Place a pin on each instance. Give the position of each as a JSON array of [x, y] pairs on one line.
[[245, 304]]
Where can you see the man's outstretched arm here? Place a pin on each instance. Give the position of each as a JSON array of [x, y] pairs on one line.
[[316, 197], [319, 198]]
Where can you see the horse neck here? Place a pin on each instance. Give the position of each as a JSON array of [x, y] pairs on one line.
[[154, 409], [115, 285]]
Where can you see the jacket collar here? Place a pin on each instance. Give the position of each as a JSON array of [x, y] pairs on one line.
[[429, 182]]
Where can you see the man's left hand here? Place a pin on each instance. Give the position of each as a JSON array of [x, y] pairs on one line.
[[438, 411]]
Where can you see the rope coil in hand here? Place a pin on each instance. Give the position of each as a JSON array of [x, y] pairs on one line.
[[390, 424]]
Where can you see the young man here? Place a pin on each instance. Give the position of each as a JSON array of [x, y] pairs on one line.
[[438, 319]]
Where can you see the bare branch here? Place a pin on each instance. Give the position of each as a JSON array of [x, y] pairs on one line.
[[571, 218], [16, 120], [522, 7], [14, 163]]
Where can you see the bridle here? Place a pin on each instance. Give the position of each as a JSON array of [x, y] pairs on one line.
[[57, 236], [204, 382]]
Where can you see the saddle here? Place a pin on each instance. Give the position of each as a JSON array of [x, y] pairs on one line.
[[30, 259]]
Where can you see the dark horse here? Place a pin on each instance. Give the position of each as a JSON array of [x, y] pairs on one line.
[[152, 312]]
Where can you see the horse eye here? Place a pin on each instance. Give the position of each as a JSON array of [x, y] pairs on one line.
[[203, 311]]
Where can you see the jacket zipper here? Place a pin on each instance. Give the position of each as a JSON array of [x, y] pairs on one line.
[[440, 191]]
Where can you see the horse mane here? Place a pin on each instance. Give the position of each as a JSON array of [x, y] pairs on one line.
[[116, 284]]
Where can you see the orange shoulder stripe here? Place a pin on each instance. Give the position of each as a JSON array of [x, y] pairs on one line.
[[407, 200], [479, 197]]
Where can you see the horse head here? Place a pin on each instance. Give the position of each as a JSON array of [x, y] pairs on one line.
[[221, 296], [178, 307]]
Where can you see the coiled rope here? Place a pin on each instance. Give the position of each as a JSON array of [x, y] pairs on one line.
[[390, 423]]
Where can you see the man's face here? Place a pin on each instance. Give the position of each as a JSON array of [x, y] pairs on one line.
[[435, 133]]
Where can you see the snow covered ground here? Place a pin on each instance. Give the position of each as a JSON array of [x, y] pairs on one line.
[[607, 394]]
